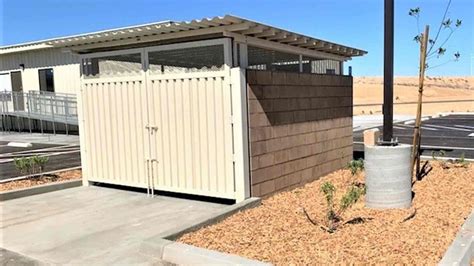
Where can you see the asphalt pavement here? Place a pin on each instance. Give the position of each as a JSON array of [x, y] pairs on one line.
[[452, 135]]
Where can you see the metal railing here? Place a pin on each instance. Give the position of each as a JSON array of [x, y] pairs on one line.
[[39, 105]]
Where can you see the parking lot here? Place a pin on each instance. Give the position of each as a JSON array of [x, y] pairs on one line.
[[61, 154], [452, 135]]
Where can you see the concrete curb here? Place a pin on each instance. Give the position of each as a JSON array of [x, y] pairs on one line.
[[25, 192], [453, 113], [224, 213], [43, 173], [163, 248], [183, 254], [461, 251]]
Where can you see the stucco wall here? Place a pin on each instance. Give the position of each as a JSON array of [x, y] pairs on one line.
[[300, 128]]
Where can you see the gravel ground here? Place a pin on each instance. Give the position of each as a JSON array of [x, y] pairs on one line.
[[279, 232], [35, 181]]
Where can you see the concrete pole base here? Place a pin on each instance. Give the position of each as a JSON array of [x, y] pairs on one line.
[[388, 176]]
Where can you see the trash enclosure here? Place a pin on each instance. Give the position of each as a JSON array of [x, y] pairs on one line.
[[222, 107], [167, 126]]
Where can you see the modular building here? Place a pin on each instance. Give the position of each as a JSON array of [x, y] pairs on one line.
[[223, 107]]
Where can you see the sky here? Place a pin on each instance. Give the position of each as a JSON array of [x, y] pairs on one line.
[[355, 23]]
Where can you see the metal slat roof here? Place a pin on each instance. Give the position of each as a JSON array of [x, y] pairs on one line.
[[152, 31]]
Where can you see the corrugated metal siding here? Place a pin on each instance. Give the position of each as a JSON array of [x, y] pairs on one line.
[[115, 112], [193, 143], [65, 68]]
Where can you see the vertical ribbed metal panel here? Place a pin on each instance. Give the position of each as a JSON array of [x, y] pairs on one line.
[[194, 142], [115, 112]]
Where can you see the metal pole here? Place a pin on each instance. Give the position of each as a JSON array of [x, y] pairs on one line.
[[28, 107], [388, 72], [52, 113], [66, 113]]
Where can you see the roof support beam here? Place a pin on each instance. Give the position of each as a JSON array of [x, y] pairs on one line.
[[299, 41], [291, 38], [253, 30], [283, 47], [174, 35], [278, 36], [266, 33]]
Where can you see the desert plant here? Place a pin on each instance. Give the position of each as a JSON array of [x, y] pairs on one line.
[[462, 160], [333, 216], [31, 165], [436, 154], [23, 165], [356, 166], [40, 162]]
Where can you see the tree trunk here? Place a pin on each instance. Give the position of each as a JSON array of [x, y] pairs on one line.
[[417, 130]]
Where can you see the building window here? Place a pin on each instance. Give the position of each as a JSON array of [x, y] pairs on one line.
[[46, 80]]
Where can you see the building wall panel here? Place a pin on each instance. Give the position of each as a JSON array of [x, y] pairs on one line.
[[300, 128], [65, 68]]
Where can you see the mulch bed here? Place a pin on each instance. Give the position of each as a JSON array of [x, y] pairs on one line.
[[279, 232], [40, 180]]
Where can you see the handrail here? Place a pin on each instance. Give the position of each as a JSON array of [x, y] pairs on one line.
[[40, 105]]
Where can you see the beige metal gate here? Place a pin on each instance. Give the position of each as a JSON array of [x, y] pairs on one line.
[[114, 113], [168, 132], [190, 131]]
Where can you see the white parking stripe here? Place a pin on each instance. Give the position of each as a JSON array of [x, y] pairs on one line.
[[451, 128], [433, 147], [471, 135], [464, 126], [428, 128], [410, 126], [398, 127]]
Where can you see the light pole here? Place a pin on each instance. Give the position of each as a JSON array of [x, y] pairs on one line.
[[388, 73]]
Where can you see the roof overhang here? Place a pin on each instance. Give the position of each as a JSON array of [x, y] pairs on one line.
[[240, 29]]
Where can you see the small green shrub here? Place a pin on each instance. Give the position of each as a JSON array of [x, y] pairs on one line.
[[333, 216], [436, 154], [31, 165], [462, 160], [356, 166], [23, 165], [40, 162]]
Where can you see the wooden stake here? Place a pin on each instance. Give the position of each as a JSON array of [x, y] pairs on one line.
[[417, 131]]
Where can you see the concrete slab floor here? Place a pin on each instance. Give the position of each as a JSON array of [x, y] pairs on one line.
[[39, 138], [93, 225]]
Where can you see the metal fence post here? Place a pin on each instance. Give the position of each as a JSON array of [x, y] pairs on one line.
[[52, 114]]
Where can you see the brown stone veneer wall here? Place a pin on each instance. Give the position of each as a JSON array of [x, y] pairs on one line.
[[300, 128]]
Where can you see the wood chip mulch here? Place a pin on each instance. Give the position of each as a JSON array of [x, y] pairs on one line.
[[279, 232], [35, 181]]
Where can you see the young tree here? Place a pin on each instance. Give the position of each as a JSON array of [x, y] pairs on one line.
[[430, 49]]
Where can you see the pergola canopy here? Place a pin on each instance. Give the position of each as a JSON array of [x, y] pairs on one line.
[[228, 25]]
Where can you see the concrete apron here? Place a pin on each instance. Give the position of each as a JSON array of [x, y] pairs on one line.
[[93, 225]]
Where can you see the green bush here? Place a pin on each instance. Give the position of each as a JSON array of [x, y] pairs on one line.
[[356, 166], [23, 165], [333, 216], [40, 162], [31, 165]]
